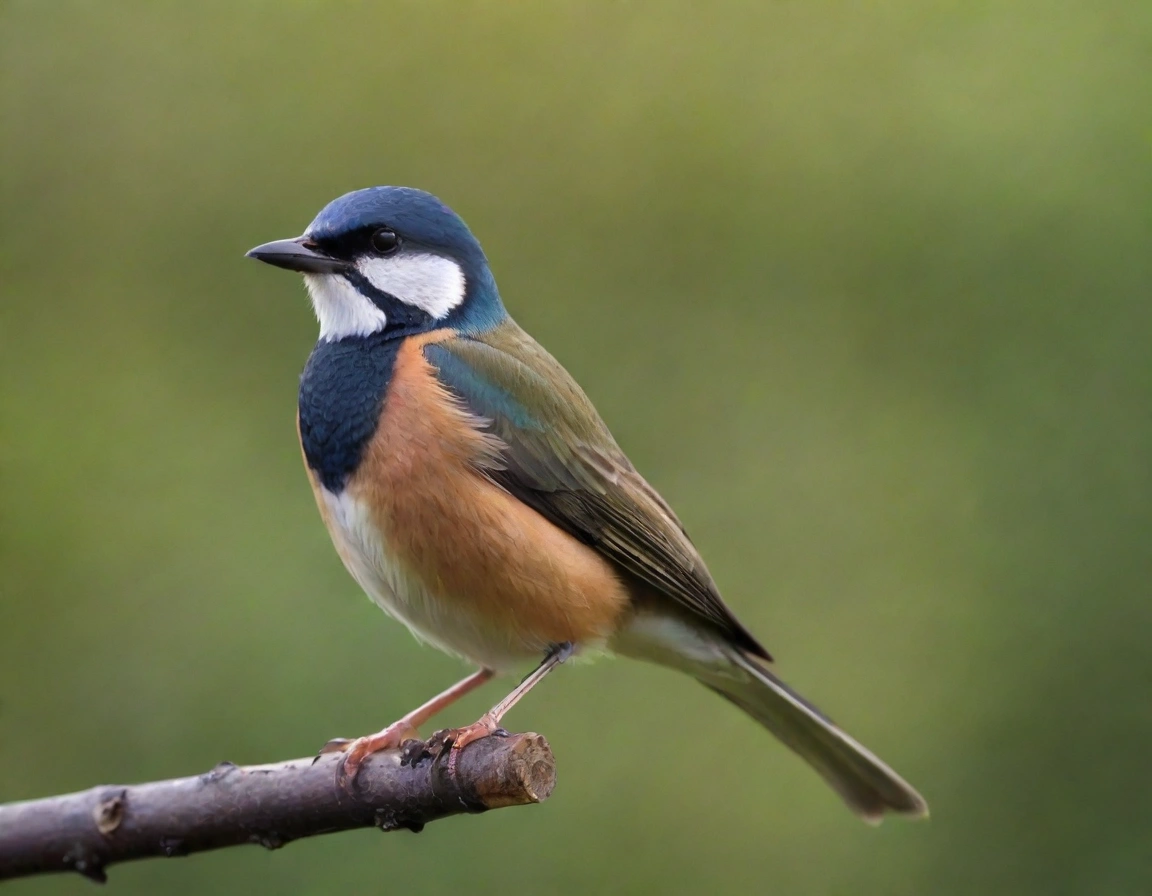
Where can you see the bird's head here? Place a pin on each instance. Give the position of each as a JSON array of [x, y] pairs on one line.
[[390, 259]]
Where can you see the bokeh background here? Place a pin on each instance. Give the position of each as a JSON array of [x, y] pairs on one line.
[[862, 288]]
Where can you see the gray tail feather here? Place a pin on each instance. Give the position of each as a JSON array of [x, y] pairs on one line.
[[864, 782]]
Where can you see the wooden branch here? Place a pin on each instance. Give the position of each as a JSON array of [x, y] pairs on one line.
[[269, 805]]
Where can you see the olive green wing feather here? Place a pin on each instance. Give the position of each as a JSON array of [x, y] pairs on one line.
[[561, 460]]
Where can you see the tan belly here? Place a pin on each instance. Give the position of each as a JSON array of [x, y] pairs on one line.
[[466, 566]]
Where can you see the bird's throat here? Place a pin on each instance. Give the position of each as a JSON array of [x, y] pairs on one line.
[[341, 392]]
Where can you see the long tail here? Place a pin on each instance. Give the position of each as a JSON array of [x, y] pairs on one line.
[[866, 784]]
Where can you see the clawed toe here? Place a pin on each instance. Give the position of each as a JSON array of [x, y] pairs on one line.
[[485, 726], [336, 745], [356, 752]]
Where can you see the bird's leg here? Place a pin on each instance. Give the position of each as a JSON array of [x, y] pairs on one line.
[[404, 728], [489, 723]]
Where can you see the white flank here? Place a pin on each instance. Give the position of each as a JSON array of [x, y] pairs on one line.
[[670, 641], [432, 283], [341, 309], [448, 627]]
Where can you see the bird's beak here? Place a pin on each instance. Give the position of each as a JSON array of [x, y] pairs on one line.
[[300, 255]]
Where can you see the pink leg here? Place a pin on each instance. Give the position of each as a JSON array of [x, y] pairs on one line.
[[390, 738], [489, 723]]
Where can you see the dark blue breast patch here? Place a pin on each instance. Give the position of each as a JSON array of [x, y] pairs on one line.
[[342, 392]]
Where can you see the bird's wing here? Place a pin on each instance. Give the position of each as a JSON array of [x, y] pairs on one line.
[[560, 459]]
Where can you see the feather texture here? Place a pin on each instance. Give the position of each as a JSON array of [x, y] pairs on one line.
[[560, 459], [441, 547]]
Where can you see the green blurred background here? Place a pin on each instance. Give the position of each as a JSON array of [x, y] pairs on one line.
[[862, 288]]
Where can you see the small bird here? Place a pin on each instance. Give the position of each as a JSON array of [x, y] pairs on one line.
[[472, 490]]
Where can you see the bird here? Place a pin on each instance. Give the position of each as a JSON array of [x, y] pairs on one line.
[[474, 493]]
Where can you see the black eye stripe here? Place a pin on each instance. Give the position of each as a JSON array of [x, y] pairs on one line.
[[402, 318]]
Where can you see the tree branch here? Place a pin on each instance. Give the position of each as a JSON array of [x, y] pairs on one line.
[[270, 805]]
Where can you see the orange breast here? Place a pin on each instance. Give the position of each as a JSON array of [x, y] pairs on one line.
[[482, 573]]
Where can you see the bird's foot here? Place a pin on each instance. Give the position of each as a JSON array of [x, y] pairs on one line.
[[358, 750], [459, 738]]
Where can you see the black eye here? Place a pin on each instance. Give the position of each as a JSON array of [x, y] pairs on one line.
[[385, 241]]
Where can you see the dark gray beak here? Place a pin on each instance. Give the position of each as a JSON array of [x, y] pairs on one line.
[[298, 255]]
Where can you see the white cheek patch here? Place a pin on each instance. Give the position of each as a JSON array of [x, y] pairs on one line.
[[432, 283], [341, 309]]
